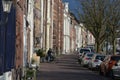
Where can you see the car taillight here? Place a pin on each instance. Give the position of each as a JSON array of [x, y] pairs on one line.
[[95, 60], [111, 64], [87, 58]]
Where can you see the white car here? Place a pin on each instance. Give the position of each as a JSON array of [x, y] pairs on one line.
[[84, 50], [86, 58], [96, 60]]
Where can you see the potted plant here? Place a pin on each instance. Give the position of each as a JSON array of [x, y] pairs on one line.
[[40, 52]]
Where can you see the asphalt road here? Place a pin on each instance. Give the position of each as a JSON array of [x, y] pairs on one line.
[[66, 67]]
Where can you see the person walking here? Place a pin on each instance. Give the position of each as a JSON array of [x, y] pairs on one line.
[[49, 54]]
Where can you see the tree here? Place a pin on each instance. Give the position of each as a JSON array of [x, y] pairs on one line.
[[114, 21], [95, 15]]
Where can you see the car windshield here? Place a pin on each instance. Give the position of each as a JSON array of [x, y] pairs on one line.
[[100, 57], [116, 58], [84, 50], [89, 55]]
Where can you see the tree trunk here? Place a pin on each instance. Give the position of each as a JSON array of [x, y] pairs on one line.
[[114, 46], [98, 46]]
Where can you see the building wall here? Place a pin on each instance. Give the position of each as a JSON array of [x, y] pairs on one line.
[[37, 24], [51, 21], [48, 25], [57, 26], [66, 33], [78, 36], [61, 8], [90, 38], [74, 22], [72, 38], [19, 37], [30, 20], [44, 23], [84, 35], [19, 33]]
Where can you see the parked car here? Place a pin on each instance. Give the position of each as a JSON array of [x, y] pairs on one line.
[[92, 47], [116, 70], [96, 60], [82, 56], [108, 64], [84, 50], [86, 58]]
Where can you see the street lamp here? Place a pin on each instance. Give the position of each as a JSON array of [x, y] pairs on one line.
[[6, 9], [6, 5]]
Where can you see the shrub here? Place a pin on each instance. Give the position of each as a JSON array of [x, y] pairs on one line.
[[40, 52]]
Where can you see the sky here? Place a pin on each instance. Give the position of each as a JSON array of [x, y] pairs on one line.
[[74, 5]]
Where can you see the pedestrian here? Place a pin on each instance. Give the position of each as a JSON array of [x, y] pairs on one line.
[[49, 54]]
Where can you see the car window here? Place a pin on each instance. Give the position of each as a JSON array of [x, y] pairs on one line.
[[89, 55], [84, 50], [116, 58], [100, 57]]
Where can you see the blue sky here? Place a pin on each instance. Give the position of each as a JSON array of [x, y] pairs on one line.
[[74, 5]]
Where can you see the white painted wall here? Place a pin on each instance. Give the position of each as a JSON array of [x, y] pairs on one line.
[[78, 36], [90, 38], [24, 42], [42, 25], [66, 27], [30, 18], [48, 25]]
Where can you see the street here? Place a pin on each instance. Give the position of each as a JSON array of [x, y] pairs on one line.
[[66, 67]]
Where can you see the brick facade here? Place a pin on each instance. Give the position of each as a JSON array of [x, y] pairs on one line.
[[19, 33], [58, 25], [73, 33]]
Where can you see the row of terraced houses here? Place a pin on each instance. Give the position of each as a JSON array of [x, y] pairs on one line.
[[35, 24]]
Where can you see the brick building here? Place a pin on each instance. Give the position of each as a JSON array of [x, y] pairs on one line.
[[58, 26], [74, 22], [37, 27], [19, 36], [19, 33]]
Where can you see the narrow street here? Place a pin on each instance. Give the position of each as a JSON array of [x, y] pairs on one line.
[[66, 67]]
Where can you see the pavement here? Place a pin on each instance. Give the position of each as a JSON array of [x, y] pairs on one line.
[[66, 67]]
